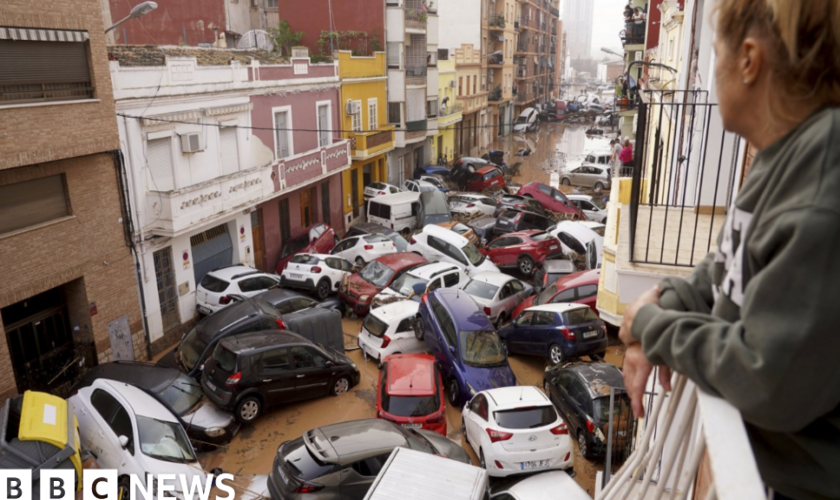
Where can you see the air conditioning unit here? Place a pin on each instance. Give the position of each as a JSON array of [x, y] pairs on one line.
[[452, 83], [353, 107], [192, 142]]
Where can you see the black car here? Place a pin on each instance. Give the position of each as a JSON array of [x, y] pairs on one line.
[[274, 309], [252, 371], [203, 421], [483, 228], [581, 393], [516, 202], [511, 221], [371, 228]]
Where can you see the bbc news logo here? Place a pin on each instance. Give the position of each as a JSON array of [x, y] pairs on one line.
[[102, 484]]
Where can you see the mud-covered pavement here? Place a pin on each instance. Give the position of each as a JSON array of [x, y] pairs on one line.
[[252, 451]]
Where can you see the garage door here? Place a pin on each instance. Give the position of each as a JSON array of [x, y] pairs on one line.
[[211, 249]]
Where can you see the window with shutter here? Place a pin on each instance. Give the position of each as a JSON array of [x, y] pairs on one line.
[[373, 121], [282, 136], [230, 150], [159, 158], [324, 132], [357, 118], [29, 203]]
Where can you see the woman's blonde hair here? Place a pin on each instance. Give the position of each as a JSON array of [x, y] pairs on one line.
[[804, 38]]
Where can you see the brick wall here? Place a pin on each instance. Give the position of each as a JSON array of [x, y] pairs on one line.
[[47, 132]]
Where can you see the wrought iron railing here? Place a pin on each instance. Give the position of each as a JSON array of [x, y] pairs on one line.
[[683, 177]]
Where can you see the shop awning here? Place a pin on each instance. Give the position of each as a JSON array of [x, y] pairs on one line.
[[42, 35]]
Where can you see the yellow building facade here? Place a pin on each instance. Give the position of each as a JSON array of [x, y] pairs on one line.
[[449, 114], [364, 122]]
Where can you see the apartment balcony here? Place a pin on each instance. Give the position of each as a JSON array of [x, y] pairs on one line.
[[516, 25], [473, 103], [495, 96], [496, 23], [633, 34], [416, 125], [365, 145], [450, 115], [416, 15]]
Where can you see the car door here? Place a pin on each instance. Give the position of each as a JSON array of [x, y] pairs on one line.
[[452, 279], [541, 334], [275, 375], [326, 241], [345, 248], [476, 421], [312, 373], [587, 294], [495, 250], [436, 247], [564, 296], [518, 334], [405, 338], [509, 254], [474, 182], [357, 477], [112, 421], [337, 268], [507, 299], [564, 401]]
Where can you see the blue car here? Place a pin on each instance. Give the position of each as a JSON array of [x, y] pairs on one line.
[[560, 331], [431, 170], [465, 344]]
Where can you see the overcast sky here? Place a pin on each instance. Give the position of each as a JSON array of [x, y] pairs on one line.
[[608, 22]]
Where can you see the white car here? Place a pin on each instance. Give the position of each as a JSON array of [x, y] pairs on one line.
[[528, 121], [375, 189], [314, 272], [577, 238], [599, 227], [363, 249], [389, 330], [498, 294], [436, 181], [130, 431], [587, 175], [419, 186], [471, 204], [437, 244], [549, 485], [215, 289], [593, 208], [426, 277], [516, 430]]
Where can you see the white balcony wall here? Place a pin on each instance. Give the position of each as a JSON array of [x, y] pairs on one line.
[[432, 30], [394, 24], [396, 85], [432, 82]]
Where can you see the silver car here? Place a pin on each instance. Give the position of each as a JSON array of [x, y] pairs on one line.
[[588, 175], [498, 294], [341, 461]]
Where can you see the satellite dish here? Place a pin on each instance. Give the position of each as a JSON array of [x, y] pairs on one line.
[[256, 39]]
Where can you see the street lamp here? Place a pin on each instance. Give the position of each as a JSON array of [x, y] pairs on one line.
[[612, 52], [139, 10]]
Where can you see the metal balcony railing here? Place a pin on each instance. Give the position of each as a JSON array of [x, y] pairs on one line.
[[684, 178], [633, 34], [415, 71], [495, 95], [497, 22]]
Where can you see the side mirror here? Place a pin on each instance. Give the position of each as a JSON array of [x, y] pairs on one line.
[[452, 349], [330, 363], [123, 442]]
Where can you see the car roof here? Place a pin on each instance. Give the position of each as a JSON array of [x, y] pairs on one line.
[[230, 273], [396, 310], [579, 278], [517, 396], [213, 325], [493, 277], [347, 442], [591, 224], [276, 295], [421, 182], [558, 265], [548, 485], [257, 340], [579, 197], [447, 234], [577, 230], [527, 233], [141, 403], [154, 378], [434, 200], [401, 260], [484, 170], [427, 271], [321, 256], [558, 308], [599, 377], [397, 198], [411, 375], [474, 196], [464, 310], [482, 222]]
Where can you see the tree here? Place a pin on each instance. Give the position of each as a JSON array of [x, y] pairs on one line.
[[284, 37]]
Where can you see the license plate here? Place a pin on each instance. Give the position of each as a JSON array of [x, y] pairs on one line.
[[590, 334], [296, 276], [204, 310], [412, 426], [211, 385], [553, 247], [536, 464]]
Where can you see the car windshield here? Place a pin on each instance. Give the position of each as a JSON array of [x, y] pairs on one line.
[[182, 395], [545, 295], [191, 348], [294, 246], [164, 440], [214, 284], [526, 418], [579, 315], [481, 348], [375, 326], [481, 289], [304, 259], [472, 253], [460, 228], [376, 273], [410, 406], [404, 285], [437, 218], [598, 203], [521, 119]]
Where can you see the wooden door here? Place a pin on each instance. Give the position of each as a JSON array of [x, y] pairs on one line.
[[305, 208], [257, 238]]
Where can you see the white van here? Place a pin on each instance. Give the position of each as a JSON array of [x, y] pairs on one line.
[[396, 211], [413, 475]]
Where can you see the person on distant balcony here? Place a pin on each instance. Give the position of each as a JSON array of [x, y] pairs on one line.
[[756, 323], [626, 157]]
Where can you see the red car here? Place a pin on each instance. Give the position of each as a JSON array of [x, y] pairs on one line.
[[580, 287], [550, 198], [378, 274], [523, 250], [485, 177], [317, 238], [410, 392]]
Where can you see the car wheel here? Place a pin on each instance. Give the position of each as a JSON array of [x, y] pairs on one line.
[[599, 186], [340, 386], [506, 347], [526, 265], [583, 445], [419, 328], [481, 459], [454, 394], [360, 261], [248, 409], [555, 354], [566, 182], [323, 289], [500, 321]]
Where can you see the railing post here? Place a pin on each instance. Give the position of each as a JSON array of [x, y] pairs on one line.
[[636, 186]]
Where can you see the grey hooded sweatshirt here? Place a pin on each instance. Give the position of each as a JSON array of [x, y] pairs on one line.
[[758, 322]]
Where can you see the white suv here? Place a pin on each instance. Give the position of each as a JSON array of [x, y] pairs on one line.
[[419, 186], [427, 277], [516, 430], [389, 330], [313, 272], [219, 285], [375, 189], [438, 244]]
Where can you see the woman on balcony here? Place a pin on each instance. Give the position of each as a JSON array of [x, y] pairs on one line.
[[754, 318]]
